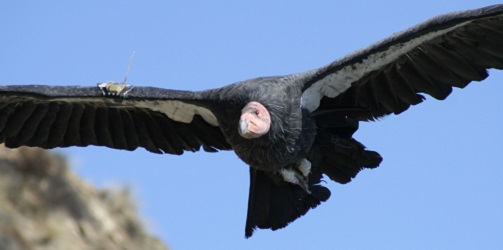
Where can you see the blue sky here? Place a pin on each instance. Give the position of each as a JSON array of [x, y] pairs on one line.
[[439, 186]]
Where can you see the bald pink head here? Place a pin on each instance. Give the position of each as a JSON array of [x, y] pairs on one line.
[[255, 121]]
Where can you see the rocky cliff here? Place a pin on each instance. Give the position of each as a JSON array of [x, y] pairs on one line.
[[43, 205]]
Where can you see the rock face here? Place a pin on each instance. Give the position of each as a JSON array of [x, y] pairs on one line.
[[43, 205]]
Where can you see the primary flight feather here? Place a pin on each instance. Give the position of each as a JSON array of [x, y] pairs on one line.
[[291, 130]]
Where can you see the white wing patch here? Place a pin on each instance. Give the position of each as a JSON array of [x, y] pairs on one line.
[[179, 111], [334, 84], [175, 110]]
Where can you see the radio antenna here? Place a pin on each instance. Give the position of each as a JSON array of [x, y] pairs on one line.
[[129, 66]]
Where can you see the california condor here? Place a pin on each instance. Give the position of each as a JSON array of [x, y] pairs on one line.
[[290, 129]]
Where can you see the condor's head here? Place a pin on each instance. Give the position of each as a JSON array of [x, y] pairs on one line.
[[255, 121]]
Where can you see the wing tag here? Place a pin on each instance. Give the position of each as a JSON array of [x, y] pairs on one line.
[[114, 88]]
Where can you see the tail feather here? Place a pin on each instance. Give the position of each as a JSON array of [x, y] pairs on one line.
[[274, 203]]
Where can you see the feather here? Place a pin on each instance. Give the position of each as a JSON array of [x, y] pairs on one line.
[[143, 134], [102, 127], [403, 89], [44, 127], [30, 126], [87, 127], [18, 118], [116, 129], [130, 133], [72, 135], [274, 203]]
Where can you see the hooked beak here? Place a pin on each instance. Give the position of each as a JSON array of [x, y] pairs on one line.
[[243, 129]]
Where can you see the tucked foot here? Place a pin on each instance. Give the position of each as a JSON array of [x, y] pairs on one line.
[[298, 175]]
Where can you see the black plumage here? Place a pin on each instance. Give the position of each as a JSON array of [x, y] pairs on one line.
[[313, 115]]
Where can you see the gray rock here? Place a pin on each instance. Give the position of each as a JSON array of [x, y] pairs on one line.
[[43, 205]]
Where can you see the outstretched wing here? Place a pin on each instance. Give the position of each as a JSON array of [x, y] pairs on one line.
[[159, 120], [387, 77]]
